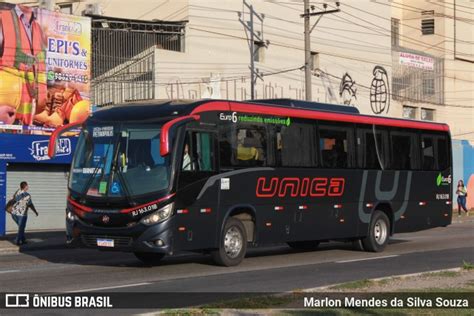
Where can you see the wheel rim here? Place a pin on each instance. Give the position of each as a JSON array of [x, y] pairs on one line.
[[380, 231], [233, 242]]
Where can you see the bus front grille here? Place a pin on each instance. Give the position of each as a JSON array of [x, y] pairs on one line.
[[119, 241]]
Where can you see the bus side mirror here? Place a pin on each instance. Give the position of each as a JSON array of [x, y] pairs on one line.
[[53, 139], [165, 131]]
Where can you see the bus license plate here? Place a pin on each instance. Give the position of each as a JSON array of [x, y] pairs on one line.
[[105, 242]]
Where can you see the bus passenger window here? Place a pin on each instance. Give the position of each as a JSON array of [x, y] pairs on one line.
[[251, 147], [403, 148], [334, 146], [428, 154], [371, 155], [296, 145], [442, 153]]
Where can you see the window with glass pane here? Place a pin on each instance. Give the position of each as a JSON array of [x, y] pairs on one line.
[[296, 145], [395, 32], [335, 147], [403, 149], [251, 146], [198, 152], [428, 158], [243, 145], [409, 112], [427, 114], [443, 153], [371, 155]]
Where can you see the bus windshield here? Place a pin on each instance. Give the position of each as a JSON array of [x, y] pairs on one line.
[[119, 161]]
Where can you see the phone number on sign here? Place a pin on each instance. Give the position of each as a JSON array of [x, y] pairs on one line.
[[70, 77]]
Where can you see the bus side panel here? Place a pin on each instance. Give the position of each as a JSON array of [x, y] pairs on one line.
[[196, 218], [429, 202], [294, 204]]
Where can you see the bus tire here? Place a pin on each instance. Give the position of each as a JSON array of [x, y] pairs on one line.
[[304, 245], [232, 244], [379, 233], [149, 258]]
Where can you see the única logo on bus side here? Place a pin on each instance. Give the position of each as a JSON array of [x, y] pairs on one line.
[[299, 187], [440, 180]]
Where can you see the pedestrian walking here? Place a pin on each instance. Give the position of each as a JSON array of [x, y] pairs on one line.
[[462, 195], [23, 202]]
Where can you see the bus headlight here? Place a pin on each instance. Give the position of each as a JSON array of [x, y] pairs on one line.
[[158, 216], [70, 216]]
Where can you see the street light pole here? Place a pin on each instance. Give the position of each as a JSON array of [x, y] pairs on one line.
[[253, 37], [307, 52], [307, 42]]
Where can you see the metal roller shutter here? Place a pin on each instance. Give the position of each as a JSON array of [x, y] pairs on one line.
[[48, 189]]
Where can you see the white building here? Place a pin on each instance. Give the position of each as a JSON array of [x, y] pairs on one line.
[[399, 58]]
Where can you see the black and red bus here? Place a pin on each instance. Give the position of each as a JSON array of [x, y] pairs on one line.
[[216, 176]]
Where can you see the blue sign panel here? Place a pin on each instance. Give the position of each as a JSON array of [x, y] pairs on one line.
[[34, 148]]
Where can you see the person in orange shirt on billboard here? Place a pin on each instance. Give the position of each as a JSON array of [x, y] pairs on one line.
[[23, 86]]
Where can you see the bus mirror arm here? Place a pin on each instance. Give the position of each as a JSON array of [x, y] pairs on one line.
[[53, 139], [165, 131]]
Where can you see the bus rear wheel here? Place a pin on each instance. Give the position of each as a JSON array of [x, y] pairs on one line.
[[232, 244], [149, 258], [379, 233], [304, 245]]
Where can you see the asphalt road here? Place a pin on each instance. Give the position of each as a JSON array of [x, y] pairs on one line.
[[270, 269]]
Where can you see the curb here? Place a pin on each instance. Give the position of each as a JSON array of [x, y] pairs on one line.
[[9, 251], [17, 249]]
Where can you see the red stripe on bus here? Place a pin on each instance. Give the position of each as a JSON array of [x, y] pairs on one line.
[[129, 210], [164, 136], [313, 114], [79, 206], [56, 133]]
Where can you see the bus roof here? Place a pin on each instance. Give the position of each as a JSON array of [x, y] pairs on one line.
[[166, 109]]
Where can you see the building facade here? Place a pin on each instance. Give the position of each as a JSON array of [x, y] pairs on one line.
[[407, 59]]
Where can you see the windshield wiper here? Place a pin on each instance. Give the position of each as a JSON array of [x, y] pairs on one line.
[[116, 170], [96, 170]]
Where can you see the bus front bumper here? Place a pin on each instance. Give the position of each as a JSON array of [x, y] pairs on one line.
[[157, 238]]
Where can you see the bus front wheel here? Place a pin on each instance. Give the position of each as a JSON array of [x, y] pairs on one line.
[[379, 233], [149, 257], [232, 244]]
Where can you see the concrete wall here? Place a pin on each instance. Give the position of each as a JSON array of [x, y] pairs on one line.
[[463, 161], [217, 50]]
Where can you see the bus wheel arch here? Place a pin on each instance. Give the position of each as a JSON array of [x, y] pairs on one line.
[[247, 215], [386, 208]]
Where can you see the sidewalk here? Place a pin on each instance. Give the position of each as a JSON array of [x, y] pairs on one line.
[[37, 240], [43, 240]]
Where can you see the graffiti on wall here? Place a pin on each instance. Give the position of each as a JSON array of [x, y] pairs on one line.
[[379, 91], [216, 87], [347, 89]]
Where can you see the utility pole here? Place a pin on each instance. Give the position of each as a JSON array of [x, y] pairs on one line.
[[307, 41], [252, 38]]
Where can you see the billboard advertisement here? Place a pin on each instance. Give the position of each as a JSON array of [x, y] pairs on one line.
[[44, 69]]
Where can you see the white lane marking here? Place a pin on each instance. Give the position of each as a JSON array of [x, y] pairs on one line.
[[9, 271], [108, 287], [364, 259]]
